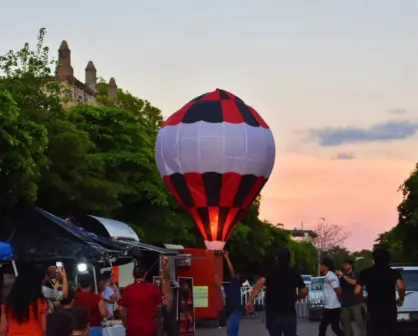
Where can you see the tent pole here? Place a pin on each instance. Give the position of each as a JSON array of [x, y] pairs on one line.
[[95, 279], [14, 268]]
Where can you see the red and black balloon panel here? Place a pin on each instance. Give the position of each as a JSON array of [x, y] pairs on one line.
[[215, 155]]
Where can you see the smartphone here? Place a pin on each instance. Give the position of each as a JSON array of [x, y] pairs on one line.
[[58, 264]]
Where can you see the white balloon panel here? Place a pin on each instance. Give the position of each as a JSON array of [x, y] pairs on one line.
[[215, 147]]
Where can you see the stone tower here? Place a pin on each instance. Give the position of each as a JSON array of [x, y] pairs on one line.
[[64, 71], [112, 90], [91, 76]]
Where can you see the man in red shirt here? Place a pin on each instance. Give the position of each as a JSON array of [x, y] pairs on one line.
[[139, 304]]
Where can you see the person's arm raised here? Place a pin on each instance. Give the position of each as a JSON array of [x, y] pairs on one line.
[[64, 282], [229, 264]]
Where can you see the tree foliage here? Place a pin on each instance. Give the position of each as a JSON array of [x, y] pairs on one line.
[[401, 240], [99, 159]]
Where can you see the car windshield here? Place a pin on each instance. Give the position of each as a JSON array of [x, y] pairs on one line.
[[306, 278], [317, 284], [411, 280]]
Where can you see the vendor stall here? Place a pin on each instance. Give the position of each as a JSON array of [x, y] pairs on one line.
[[122, 234], [159, 260], [42, 238]]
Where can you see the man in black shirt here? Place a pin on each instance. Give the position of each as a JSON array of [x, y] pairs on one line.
[[281, 283], [351, 303], [380, 281]]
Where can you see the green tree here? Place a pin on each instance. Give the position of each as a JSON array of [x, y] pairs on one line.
[[22, 143], [29, 97], [406, 230], [362, 259], [390, 241], [151, 115]]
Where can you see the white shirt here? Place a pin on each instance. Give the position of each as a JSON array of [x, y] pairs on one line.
[[107, 294], [331, 300]]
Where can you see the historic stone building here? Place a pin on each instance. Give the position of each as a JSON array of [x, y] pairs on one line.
[[73, 90]]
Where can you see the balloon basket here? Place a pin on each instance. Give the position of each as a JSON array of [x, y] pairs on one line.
[[215, 245]]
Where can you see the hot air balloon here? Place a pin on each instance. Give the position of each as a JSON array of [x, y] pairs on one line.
[[215, 155]]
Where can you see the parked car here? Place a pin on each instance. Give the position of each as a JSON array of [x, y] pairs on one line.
[[307, 279], [408, 313], [316, 298]]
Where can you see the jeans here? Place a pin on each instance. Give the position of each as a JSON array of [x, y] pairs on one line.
[[285, 325], [233, 323], [95, 331], [331, 317], [349, 313]]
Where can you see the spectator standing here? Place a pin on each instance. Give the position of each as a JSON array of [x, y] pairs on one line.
[[24, 313], [50, 287], [381, 281], [139, 305], [351, 303], [84, 298], [108, 294], [284, 286], [233, 299], [332, 305]]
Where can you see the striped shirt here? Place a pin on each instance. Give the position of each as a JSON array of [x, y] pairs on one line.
[[51, 295]]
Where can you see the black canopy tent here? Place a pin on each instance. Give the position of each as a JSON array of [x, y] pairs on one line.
[[39, 236]]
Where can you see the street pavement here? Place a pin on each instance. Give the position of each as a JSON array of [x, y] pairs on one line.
[[257, 328]]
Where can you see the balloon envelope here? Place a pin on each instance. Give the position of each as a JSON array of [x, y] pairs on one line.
[[215, 154]]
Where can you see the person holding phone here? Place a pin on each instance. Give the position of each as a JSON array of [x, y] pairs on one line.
[[50, 287]]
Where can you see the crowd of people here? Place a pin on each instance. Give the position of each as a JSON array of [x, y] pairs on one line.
[[45, 303], [343, 297]]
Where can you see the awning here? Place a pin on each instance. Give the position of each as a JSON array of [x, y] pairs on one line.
[[118, 232], [6, 252], [106, 227]]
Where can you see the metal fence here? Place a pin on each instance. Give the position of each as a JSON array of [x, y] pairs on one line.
[[301, 306]]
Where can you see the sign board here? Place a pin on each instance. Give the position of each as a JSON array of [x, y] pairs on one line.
[[201, 296]]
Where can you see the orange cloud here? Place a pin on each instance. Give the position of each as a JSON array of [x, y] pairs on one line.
[[359, 194]]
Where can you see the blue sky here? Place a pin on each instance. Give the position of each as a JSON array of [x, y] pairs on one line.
[[337, 81]]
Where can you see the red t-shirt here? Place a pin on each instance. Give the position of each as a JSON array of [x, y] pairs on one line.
[[140, 300], [89, 301]]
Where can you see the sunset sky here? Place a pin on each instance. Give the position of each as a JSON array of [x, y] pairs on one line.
[[337, 81]]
